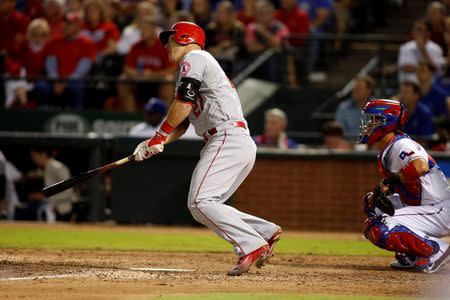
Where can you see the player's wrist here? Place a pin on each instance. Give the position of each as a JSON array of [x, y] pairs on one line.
[[166, 128], [162, 134]]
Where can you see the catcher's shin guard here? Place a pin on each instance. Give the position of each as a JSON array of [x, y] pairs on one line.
[[398, 239]]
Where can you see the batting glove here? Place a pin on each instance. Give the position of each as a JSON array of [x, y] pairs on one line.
[[154, 145]]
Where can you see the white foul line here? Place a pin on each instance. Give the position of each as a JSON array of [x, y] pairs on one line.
[[160, 270], [86, 274], [39, 277]]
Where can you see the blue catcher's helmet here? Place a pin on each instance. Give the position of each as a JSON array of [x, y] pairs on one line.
[[379, 117]]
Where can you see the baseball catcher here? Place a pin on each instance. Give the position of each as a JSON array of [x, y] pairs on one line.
[[409, 210]]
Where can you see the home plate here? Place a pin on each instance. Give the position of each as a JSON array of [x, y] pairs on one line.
[[161, 270]]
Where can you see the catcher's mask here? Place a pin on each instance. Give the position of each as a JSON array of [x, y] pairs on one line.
[[379, 117]]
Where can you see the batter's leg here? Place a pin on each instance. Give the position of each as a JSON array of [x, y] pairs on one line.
[[222, 161], [264, 228]]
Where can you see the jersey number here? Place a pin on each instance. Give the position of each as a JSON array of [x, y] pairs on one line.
[[197, 107]]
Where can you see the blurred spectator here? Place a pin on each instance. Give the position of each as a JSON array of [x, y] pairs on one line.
[[348, 113], [298, 23], [131, 34], [421, 48], [104, 33], [36, 206], [155, 111], [319, 13], [419, 122], [34, 9], [225, 36], [266, 33], [122, 12], [53, 172], [9, 176], [447, 7], [432, 95], [183, 16], [69, 56], [441, 142], [436, 20], [342, 14], [54, 14], [31, 60], [147, 60], [201, 12], [74, 6], [14, 26], [275, 124], [333, 137], [294, 18], [247, 14], [169, 10], [443, 80]]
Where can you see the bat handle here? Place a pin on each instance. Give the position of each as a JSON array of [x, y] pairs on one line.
[[131, 158]]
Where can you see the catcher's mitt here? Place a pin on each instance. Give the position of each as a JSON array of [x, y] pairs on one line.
[[382, 202]]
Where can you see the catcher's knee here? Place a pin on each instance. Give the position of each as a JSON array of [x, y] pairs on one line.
[[398, 239]]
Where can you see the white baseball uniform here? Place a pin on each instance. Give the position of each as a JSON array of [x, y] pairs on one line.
[[424, 205], [226, 159]]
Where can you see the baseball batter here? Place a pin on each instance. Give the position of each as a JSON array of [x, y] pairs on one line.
[[413, 187], [206, 98]]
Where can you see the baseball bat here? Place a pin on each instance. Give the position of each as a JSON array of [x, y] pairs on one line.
[[75, 180]]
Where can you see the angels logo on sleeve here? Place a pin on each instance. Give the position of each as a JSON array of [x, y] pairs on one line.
[[185, 68]]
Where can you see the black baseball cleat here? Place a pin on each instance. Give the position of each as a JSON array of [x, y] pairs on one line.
[[403, 261]]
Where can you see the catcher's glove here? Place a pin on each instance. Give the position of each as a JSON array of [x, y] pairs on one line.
[[381, 201]]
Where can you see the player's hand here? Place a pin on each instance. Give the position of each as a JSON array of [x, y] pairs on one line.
[[380, 200], [149, 147]]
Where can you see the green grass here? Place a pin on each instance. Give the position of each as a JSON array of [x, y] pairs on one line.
[[50, 237], [246, 296]]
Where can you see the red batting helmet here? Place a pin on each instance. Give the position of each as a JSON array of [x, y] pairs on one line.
[[184, 33]]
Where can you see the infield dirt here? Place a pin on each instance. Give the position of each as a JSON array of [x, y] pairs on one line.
[[100, 274]]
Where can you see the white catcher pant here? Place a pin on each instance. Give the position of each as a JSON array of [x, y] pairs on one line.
[[428, 221], [225, 162]]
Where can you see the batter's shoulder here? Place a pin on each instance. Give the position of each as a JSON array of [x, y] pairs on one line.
[[196, 55]]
